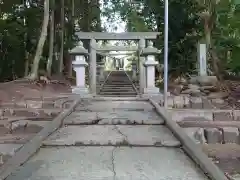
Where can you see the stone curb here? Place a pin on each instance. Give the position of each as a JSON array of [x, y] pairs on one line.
[[32, 146], [208, 124], [133, 85], [208, 114], [186, 101], [104, 81], [32, 112], [59, 103], [198, 156]]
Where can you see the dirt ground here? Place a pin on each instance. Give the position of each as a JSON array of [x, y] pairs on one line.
[[24, 89], [225, 156]]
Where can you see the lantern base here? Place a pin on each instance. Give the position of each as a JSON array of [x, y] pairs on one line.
[[151, 90], [82, 91]]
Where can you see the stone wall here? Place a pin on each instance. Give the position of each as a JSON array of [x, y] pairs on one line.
[[185, 101], [214, 135]]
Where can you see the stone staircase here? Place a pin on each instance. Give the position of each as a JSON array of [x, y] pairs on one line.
[[118, 84]]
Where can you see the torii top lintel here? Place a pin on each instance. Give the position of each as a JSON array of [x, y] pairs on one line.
[[117, 36]]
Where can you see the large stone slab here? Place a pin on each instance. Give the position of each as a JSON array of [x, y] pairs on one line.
[[16, 138], [108, 163], [116, 117], [97, 106], [154, 163], [113, 135], [181, 115], [9, 149]]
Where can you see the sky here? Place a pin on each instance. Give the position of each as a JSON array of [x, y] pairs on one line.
[[110, 26], [116, 27]]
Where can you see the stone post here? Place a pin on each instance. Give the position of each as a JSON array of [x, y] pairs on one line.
[[98, 72], [150, 66], [114, 63], [79, 67], [142, 82], [202, 59], [101, 71], [134, 70], [93, 66]]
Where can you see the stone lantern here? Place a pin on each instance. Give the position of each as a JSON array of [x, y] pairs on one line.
[[150, 64], [79, 65]]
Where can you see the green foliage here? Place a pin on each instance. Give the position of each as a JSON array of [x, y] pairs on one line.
[[20, 26], [226, 34]]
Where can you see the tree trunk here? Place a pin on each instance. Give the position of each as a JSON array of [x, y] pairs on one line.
[[51, 43], [217, 68], [208, 25], [26, 64], [69, 58], [62, 38], [26, 70], [42, 39], [208, 36]]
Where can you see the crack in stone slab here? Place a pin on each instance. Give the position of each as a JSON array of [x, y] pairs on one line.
[[86, 120], [167, 144], [120, 132], [113, 164], [92, 122], [96, 121]]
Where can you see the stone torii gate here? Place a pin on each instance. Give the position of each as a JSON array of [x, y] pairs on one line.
[[141, 37]]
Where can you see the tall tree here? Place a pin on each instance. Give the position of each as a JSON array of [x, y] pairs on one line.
[[62, 37], [44, 32], [51, 41]]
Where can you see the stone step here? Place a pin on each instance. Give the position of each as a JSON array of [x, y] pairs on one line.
[[117, 83], [125, 95], [120, 83], [118, 78], [116, 90], [123, 77], [118, 93], [117, 86], [118, 73]]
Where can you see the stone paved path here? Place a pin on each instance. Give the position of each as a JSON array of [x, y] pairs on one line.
[[110, 140]]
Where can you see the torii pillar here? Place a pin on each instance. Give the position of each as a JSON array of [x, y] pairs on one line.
[[142, 77], [93, 66]]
